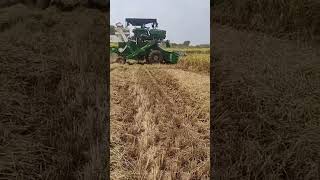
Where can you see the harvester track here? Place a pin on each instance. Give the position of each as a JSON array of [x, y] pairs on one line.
[[152, 115], [156, 82]]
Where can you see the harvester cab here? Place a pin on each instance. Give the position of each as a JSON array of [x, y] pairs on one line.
[[144, 33], [144, 44]]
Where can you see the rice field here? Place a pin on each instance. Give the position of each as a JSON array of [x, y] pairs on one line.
[[191, 50], [194, 59]]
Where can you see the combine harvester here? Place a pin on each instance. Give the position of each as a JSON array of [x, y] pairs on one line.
[[143, 46]]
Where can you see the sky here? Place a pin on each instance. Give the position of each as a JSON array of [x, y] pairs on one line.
[[182, 19]]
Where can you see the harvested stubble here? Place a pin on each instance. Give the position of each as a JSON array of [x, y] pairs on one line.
[[297, 19], [159, 129], [267, 107], [53, 93]]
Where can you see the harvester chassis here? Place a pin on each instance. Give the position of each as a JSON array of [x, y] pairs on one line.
[[144, 45]]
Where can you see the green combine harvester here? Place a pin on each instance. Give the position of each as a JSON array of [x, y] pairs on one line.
[[143, 46]]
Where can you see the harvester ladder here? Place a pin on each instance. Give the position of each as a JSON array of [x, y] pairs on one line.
[[120, 31]]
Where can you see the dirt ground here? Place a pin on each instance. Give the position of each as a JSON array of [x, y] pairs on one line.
[[159, 123]]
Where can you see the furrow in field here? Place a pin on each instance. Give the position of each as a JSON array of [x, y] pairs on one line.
[[168, 133]]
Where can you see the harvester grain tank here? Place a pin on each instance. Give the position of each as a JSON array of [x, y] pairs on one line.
[[144, 44]]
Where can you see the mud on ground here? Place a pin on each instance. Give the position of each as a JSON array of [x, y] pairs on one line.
[[159, 125]]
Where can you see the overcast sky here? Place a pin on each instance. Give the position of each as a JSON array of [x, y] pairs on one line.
[[182, 19]]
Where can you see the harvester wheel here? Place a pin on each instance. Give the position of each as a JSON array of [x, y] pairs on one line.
[[155, 56], [120, 60]]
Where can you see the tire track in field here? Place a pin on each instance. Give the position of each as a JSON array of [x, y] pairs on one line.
[[168, 140]]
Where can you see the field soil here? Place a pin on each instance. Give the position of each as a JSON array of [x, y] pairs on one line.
[[159, 123], [266, 108]]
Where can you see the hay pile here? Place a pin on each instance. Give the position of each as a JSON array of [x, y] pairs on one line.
[[53, 93]]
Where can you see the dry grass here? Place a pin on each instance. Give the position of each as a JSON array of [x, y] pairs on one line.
[[266, 112], [53, 93], [288, 18]]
